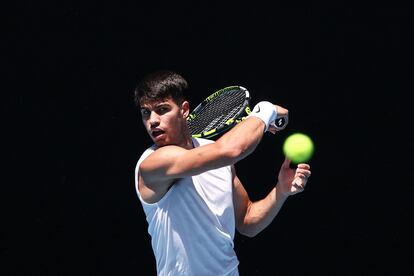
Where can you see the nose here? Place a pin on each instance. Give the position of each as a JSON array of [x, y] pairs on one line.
[[154, 119]]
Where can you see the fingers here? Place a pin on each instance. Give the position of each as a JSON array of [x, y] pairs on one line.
[[281, 111], [282, 118], [297, 186], [302, 169], [303, 174], [272, 129], [303, 166], [301, 177], [278, 125]]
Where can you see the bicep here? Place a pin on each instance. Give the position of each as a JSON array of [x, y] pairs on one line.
[[241, 200], [173, 162]]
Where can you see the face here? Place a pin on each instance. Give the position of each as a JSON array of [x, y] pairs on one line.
[[165, 122]]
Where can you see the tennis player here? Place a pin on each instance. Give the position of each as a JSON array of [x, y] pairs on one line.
[[188, 187]]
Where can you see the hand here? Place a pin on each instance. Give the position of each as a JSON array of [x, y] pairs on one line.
[[293, 181], [282, 114]]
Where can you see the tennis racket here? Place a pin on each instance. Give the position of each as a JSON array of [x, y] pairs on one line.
[[219, 112]]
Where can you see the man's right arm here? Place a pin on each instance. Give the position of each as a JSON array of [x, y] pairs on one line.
[[162, 167]]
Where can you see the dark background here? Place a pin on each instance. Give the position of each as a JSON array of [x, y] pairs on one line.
[[73, 136]]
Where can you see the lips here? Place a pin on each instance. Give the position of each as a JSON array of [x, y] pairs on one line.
[[157, 132]]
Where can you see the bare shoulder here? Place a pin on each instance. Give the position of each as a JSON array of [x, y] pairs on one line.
[[160, 156], [172, 162], [153, 180]]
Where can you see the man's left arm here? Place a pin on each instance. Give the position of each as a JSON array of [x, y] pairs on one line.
[[253, 217]]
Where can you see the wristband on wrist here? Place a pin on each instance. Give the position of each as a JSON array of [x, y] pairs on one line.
[[265, 111]]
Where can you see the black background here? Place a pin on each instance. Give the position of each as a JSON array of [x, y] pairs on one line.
[[73, 136]]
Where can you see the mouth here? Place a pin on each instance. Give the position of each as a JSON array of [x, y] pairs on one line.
[[157, 133]]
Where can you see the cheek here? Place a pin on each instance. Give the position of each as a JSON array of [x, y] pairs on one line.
[[175, 124], [146, 124]]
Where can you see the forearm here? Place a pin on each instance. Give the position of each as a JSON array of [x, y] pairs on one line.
[[243, 138], [261, 213]]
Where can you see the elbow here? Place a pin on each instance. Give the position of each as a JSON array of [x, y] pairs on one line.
[[250, 234], [247, 228], [230, 151], [234, 153], [245, 231]]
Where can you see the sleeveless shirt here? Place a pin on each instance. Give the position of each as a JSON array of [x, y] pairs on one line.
[[192, 226]]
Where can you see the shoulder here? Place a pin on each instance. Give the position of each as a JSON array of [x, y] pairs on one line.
[[146, 153], [160, 158], [201, 141]]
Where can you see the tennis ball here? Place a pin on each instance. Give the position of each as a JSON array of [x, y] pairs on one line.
[[298, 147]]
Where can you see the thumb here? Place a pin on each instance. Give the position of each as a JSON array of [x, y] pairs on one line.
[[286, 163]]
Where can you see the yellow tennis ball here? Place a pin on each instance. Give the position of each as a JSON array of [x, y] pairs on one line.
[[298, 147]]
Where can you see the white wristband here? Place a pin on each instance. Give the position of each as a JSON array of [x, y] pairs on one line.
[[265, 111]]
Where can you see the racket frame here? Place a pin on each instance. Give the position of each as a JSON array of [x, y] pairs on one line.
[[231, 122]]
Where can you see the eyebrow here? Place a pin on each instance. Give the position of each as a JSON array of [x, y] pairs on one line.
[[157, 105], [162, 104]]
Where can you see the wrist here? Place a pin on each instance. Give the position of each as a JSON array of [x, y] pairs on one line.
[[265, 111]]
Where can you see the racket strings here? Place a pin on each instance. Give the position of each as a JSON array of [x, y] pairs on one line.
[[215, 113]]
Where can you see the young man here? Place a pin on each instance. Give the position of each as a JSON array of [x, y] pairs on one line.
[[188, 187]]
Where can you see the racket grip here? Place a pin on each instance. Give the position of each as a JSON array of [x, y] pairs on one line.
[[280, 122]]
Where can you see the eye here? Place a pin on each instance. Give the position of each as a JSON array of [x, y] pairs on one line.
[[163, 109], [145, 112]]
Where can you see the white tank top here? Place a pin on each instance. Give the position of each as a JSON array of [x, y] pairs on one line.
[[192, 226]]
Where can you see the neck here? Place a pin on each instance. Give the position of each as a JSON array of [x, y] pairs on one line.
[[188, 142]]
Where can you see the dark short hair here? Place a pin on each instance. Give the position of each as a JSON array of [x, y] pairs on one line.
[[161, 85]]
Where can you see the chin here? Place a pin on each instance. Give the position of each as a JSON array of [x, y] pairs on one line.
[[160, 142]]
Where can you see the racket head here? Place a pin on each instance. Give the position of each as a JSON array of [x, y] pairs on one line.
[[219, 112]]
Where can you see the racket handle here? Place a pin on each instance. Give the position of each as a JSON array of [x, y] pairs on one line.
[[280, 122]]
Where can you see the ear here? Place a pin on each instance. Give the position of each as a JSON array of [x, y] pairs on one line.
[[185, 109]]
